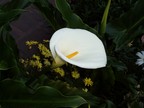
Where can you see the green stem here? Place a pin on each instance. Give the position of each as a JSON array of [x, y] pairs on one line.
[[88, 105], [104, 19]]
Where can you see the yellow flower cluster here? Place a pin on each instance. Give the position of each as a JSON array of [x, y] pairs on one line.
[[36, 63], [75, 74], [44, 50], [88, 82], [60, 71], [30, 43]]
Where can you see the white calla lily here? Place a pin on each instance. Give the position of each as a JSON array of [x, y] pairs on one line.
[[78, 47]]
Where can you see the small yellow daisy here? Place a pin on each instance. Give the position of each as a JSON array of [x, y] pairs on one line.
[[75, 74], [88, 82], [60, 71]]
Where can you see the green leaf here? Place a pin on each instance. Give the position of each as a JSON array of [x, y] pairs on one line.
[[116, 64], [56, 99], [108, 78], [8, 16], [73, 20], [11, 10], [132, 83], [66, 89], [8, 50], [110, 104], [12, 88], [15, 4], [14, 93], [136, 104], [124, 29], [48, 11]]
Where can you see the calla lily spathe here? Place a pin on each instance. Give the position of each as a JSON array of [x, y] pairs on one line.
[[78, 47]]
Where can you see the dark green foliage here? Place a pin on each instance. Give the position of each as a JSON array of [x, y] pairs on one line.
[[73, 20], [9, 51], [119, 85], [124, 29], [15, 94]]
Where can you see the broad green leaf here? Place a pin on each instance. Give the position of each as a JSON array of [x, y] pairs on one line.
[[48, 11], [72, 20], [15, 4], [12, 88], [65, 88], [110, 104], [8, 47], [124, 29], [11, 10], [8, 16], [14, 93], [69, 90], [109, 76], [132, 83], [56, 99], [8, 50]]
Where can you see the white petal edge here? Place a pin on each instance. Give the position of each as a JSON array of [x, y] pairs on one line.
[[140, 54], [139, 62]]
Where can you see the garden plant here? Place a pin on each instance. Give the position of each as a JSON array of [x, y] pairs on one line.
[[94, 57]]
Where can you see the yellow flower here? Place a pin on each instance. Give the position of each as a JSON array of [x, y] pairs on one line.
[[32, 63], [39, 64], [30, 43], [36, 57], [22, 61], [44, 50], [60, 71], [75, 74], [45, 41], [25, 62], [88, 82], [35, 63], [46, 62]]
